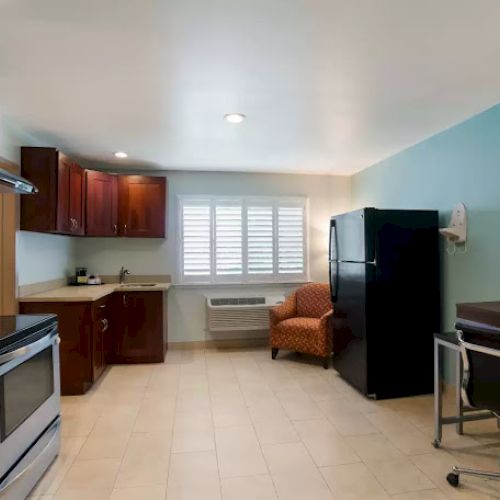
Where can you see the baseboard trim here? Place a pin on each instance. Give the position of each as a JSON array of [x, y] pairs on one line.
[[219, 344]]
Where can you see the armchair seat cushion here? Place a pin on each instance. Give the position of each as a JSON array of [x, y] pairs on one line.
[[300, 334]]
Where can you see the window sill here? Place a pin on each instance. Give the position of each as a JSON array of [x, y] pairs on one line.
[[240, 285]]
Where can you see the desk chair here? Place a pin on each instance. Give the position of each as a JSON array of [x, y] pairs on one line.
[[480, 348]]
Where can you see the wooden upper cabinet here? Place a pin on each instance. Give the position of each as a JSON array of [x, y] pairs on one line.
[[58, 207], [70, 197], [80, 202], [102, 204], [39, 211], [142, 206]]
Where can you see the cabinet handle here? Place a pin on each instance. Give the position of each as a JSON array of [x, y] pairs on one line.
[[105, 324], [124, 300], [125, 228], [103, 306], [115, 228]]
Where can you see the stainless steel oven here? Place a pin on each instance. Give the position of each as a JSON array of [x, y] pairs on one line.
[[29, 401]]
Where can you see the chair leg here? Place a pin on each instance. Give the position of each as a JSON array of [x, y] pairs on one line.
[[326, 362], [274, 352]]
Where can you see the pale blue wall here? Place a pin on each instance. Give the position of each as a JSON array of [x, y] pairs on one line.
[[459, 164]]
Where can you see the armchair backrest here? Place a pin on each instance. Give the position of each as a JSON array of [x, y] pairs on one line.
[[481, 357], [313, 300]]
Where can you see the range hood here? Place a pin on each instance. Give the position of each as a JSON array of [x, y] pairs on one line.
[[11, 183]]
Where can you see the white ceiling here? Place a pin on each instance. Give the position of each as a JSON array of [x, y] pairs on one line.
[[329, 86]]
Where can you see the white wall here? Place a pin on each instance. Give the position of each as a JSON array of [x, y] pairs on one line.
[[39, 257], [327, 195]]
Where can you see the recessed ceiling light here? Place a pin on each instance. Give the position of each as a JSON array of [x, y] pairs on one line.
[[121, 154], [234, 117]]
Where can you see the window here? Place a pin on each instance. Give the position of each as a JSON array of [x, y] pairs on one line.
[[242, 240]]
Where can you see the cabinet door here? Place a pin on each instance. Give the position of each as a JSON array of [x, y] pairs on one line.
[[70, 197], [77, 199], [39, 211], [64, 224], [101, 204], [142, 206], [100, 327], [139, 332]]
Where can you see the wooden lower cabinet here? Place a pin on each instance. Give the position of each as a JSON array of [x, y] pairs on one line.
[[82, 328], [139, 331], [124, 327]]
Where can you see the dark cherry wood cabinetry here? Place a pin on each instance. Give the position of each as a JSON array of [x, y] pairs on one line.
[[101, 204], [142, 206], [139, 332], [59, 206], [123, 327], [81, 202], [100, 330], [83, 327]]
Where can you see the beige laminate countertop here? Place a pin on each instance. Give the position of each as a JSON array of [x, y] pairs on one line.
[[89, 293]]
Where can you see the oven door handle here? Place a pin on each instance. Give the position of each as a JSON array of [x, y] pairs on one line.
[[9, 481], [28, 349]]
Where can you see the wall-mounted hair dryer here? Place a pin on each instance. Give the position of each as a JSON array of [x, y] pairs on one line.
[[456, 232]]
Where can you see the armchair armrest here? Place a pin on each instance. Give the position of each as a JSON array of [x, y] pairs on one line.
[[324, 319], [284, 311]]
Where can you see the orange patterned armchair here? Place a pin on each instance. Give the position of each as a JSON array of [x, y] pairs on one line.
[[301, 323]]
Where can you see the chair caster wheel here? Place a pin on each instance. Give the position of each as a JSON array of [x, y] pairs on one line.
[[452, 479], [436, 443]]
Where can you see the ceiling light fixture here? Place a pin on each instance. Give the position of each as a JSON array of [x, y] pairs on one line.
[[121, 154], [234, 117]]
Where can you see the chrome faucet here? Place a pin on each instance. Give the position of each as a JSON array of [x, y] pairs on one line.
[[123, 273]]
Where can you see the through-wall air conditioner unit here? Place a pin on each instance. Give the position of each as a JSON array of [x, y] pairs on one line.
[[238, 313]]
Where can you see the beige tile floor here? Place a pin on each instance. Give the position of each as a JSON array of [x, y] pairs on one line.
[[235, 425]]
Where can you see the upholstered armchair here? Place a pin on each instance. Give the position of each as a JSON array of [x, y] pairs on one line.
[[301, 323]]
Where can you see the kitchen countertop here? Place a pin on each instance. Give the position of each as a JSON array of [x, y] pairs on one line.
[[90, 293]]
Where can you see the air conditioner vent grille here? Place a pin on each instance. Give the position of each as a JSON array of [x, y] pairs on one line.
[[238, 301], [233, 314]]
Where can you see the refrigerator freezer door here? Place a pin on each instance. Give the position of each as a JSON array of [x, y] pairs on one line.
[[350, 319], [354, 235]]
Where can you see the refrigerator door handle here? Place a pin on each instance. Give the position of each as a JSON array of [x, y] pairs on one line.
[[334, 283], [333, 236]]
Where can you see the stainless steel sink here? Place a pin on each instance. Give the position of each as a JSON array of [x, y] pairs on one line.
[[130, 285]]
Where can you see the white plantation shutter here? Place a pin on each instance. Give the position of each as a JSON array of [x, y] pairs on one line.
[[228, 239], [196, 239], [260, 246], [242, 240], [291, 239]]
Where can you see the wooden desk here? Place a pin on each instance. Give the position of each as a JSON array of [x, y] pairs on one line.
[[479, 313]]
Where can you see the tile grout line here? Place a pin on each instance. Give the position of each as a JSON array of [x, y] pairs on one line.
[[213, 424], [172, 430], [129, 436], [253, 427], [300, 437]]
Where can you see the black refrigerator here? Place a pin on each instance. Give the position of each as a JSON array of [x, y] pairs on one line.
[[384, 281]]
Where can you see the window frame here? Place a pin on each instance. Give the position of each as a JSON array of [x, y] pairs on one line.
[[245, 277]]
